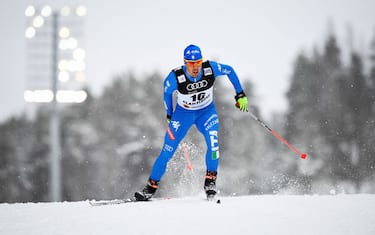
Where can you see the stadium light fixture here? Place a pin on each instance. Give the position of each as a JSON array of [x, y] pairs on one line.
[[70, 64], [38, 21], [81, 10], [64, 32], [30, 32], [56, 57], [70, 96], [30, 11], [38, 96], [46, 11]]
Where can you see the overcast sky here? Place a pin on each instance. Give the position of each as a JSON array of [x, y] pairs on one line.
[[260, 39]]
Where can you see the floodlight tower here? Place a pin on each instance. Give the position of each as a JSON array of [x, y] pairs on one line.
[[56, 70]]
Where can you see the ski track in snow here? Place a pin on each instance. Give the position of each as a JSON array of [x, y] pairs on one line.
[[266, 214]]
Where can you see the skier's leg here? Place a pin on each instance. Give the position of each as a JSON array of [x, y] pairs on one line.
[[177, 129], [208, 125]]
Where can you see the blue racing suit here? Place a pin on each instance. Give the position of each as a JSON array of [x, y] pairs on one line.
[[195, 105]]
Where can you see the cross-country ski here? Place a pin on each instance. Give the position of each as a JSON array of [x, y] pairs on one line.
[[111, 202], [134, 200]]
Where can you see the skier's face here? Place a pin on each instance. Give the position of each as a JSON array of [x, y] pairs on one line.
[[194, 67]]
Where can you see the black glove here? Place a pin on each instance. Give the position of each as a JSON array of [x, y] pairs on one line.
[[169, 118]]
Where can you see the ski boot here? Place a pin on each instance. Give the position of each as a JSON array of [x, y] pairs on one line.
[[210, 184], [147, 192]]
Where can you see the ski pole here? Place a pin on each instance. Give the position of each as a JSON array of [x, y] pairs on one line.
[[274, 133], [186, 154]]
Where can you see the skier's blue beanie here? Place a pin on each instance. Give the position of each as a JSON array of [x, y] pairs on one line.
[[192, 53]]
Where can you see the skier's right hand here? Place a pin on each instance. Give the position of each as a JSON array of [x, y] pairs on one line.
[[169, 118]]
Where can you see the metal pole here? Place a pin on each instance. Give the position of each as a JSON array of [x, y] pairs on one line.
[[55, 150], [274, 133]]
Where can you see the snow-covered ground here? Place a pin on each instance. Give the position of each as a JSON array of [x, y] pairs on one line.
[[276, 214]]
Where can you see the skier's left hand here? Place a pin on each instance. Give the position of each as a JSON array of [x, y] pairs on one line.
[[241, 101]]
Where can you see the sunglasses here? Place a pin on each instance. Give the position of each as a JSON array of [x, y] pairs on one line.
[[194, 62]]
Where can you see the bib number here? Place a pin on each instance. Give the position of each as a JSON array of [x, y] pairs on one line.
[[195, 101], [198, 97]]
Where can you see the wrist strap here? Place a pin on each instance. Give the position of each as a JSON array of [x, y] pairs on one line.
[[240, 95]]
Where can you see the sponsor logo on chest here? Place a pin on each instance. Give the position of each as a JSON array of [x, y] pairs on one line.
[[197, 85], [181, 78]]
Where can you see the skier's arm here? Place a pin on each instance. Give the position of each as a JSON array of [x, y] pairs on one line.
[[223, 69], [170, 86]]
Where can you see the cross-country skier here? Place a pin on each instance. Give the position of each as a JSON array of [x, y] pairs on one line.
[[194, 85]]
